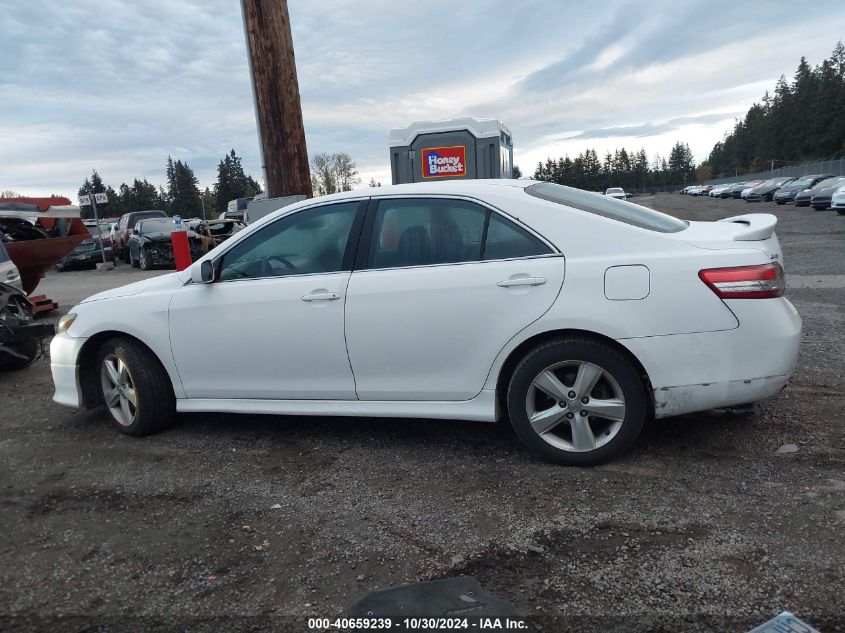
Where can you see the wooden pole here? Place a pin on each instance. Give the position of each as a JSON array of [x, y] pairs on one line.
[[276, 92]]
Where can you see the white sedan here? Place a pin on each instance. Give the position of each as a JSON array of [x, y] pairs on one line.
[[616, 192], [837, 201], [574, 315]]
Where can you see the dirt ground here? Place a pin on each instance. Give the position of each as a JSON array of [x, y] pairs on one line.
[[253, 523]]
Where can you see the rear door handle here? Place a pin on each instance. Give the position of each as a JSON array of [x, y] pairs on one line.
[[322, 296], [521, 281]]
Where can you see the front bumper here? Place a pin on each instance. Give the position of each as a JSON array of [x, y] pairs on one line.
[[711, 370], [64, 365]]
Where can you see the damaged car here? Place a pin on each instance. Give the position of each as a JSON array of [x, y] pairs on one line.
[[151, 246], [88, 253], [21, 339], [215, 232]]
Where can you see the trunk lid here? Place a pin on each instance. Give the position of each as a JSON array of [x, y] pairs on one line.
[[753, 230]]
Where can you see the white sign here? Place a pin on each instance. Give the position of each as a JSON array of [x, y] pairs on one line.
[[99, 198]]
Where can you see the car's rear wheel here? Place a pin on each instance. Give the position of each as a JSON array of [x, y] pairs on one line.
[[134, 388], [577, 401]]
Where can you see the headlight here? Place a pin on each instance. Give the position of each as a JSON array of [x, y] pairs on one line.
[[65, 322]]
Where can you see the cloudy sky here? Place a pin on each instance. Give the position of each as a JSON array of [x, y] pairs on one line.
[[118, 85]]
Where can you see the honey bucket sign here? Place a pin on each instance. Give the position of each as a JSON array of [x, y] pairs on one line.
[[444, 162]]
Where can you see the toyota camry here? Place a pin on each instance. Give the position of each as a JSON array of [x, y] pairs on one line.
[[575, 316]]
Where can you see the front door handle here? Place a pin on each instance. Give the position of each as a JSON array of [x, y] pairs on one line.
[[521, 281], [322, 296]]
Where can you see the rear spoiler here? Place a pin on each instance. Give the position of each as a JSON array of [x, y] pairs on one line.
[[757, 226]]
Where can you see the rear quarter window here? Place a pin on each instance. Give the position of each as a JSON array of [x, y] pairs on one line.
[[607, 207]]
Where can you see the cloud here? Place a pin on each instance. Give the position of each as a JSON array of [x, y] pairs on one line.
[[118, 85], [654, 129]]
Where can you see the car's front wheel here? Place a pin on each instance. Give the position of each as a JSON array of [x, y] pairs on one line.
[[144, 259], [577, 401], [134, 388]]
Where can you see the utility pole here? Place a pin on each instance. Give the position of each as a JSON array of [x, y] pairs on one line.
[[275, 91]]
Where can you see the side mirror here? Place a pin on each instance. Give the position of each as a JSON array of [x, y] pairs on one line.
[[203, 273]]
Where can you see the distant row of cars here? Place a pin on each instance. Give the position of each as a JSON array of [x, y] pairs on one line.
[[143, 239], [820, 191]]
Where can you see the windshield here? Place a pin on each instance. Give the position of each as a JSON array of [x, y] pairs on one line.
[[803, 182], [615, 190], [830, 182], [165, 225], [612, 208]]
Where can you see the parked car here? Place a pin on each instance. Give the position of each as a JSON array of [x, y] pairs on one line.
[[823, 196], [127, 222], [615, 192], [338, 303], [151, 244], [837, 201], [788, 192], [736, 192], [804, 198], [716, 191], [766, 191], [87, 254], [739, 186], [749, 187], [9, 273]]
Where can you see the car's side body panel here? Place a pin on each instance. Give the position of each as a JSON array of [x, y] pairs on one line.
[[432, 332], [285, 347]]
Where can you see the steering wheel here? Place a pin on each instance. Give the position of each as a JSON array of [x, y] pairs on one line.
[[269, 267]]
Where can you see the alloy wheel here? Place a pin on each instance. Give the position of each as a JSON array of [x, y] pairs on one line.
[[575, 406], [118, 390]]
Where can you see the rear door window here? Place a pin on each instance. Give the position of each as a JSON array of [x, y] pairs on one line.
[[506, 240], [426, 231]]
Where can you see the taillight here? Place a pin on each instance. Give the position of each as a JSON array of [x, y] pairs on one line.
[[746, 282]]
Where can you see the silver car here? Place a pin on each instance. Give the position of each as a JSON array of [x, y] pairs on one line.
[[8, 271]]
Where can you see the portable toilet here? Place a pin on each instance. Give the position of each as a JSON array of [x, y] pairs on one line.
[[459, 148]]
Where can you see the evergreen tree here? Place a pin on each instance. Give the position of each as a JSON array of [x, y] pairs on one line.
[[183, 194], [232, 182], [800, 121]]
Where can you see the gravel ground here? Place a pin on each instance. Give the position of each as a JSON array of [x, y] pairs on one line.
[[246, 522]]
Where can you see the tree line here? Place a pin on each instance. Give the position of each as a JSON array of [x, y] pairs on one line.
[[801, 121], [182, 195], [633, 171]]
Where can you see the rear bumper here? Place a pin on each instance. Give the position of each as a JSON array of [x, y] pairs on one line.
[[710, 370]]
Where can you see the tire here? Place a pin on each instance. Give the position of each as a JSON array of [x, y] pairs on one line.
[[140, 374], [127, 256], [601, 438], [841, 211], [144, 260]]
